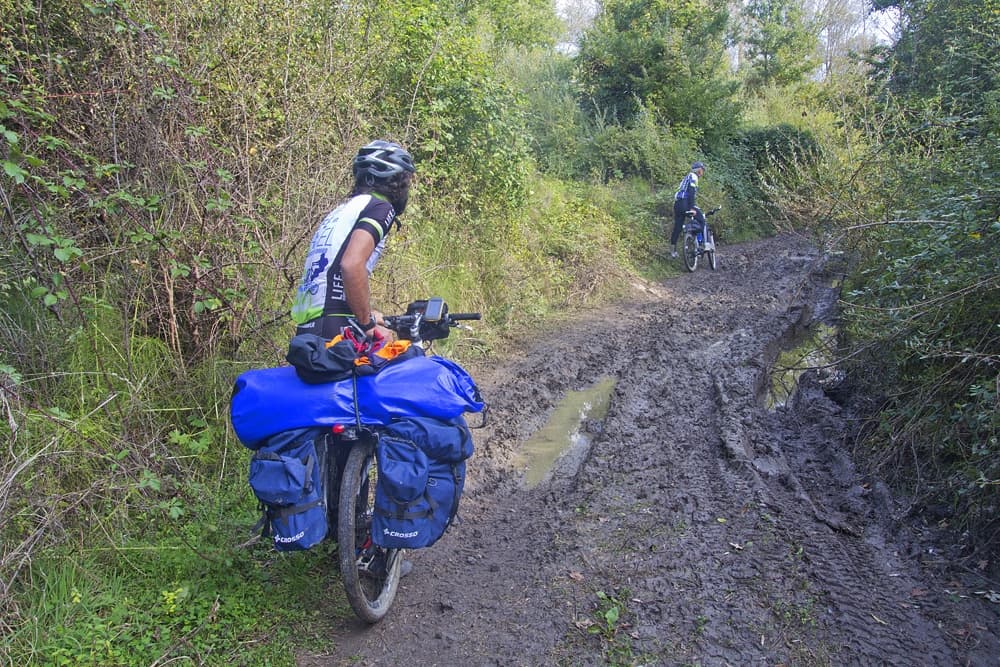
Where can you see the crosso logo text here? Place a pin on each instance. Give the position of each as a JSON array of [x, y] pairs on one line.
[[293, 538], [393, 533]]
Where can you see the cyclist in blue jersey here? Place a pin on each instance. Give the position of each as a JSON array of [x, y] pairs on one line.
[[684, 201], [349, 242]]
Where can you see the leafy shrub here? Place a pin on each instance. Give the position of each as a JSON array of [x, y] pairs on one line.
[[925, 297]]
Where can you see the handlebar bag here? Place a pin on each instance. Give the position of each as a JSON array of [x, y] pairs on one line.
[[316, 362], [286, 477]]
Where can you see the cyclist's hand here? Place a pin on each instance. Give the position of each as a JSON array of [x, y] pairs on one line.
[[385, 335], [375, 340], [365, 343]]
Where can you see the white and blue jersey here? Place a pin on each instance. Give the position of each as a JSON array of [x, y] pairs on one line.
[[321, 290], [688, 191]]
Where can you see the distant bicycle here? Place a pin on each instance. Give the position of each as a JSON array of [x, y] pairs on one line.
[[698, 241]]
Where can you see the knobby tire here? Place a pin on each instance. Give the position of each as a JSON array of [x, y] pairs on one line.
[[690, 251], [370, 594]]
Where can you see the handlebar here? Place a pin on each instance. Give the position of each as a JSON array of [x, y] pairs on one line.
[[426, 320], [692, 212]]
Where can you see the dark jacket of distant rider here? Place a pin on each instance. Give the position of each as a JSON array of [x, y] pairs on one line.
[[685, 200]]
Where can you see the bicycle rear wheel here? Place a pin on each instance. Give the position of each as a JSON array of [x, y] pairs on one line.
[[689, 250], [370, 573], [710, 243]]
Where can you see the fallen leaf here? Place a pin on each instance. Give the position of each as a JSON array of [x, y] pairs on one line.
[[918, 592], [982, 565], [721, 519], [576, 576], [878, 620], [583, 624]]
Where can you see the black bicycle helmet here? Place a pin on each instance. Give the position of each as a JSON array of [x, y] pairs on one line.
[[697, 165], [382, 159]]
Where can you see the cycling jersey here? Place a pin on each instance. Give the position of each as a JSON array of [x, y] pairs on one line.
[[321, 291], [684, 201], [688, 191]]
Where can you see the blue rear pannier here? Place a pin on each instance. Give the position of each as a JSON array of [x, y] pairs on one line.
[[440, 439], [403, 469], [286, 477], [421, 478]]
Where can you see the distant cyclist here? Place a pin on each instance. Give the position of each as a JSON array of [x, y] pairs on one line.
[[349, 242], [684, 201]]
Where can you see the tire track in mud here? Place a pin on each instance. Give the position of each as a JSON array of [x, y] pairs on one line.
[[723, 533]]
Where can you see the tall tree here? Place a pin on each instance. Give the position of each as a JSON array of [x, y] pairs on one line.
[[846, 28], [663, 55], [780, 45]]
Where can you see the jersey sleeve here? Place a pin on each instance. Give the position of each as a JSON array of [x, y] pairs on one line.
[[376, 219]]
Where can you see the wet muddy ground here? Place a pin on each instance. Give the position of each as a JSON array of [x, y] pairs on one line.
[[691, 524]]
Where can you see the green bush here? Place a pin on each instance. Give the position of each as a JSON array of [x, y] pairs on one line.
[[924, 297]]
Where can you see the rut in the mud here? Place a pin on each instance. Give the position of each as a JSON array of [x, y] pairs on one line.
[[699, 528]]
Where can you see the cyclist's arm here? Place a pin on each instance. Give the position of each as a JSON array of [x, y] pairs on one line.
[[353, 268]]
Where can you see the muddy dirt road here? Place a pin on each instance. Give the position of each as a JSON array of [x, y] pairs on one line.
[[694, 525]]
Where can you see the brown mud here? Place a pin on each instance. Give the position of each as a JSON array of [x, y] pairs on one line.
[[697, 526]]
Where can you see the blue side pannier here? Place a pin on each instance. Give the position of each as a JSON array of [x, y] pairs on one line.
[[421, 478], [286, 476], [440, 439]]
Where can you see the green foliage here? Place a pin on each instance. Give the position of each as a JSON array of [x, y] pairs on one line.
[[463, 122], [522, 23], [780, 46], [780, 146], [771, 164], [928, 286], [147, 600], [665, 56], [949, 54], [558, 129], [610, 623]]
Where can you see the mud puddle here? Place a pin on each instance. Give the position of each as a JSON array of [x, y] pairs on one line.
[[562, 443], [814, 350]]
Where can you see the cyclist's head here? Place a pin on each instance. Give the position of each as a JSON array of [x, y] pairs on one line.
[[387, 168], [698, 165]]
